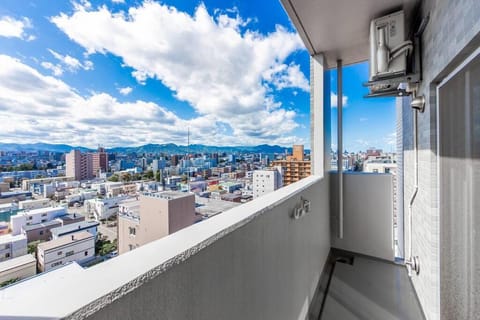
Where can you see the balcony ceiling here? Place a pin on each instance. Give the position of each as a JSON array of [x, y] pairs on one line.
[[339, 28]]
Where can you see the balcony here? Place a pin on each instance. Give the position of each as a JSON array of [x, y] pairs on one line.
[[268, 260], [256, 261]]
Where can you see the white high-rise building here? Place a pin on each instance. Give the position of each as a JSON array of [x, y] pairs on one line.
[[266, 181]]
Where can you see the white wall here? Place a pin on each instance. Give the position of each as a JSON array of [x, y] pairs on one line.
[[367, 214], [33, 217], [451, 34], [21, 271], [266, 181], [14, 246], [79, 248], [34, 204], [251, 262]]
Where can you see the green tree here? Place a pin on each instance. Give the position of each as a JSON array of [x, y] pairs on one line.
[[113, 178], [32, 247], [6, 283], [149, 174]]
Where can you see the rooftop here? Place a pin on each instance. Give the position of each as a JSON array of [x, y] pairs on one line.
[[41, 210], [71, 216], [62, 241], [16, 262], [9, 194], [211, 207], [168, 195], [69, 228], [10, 238], [130, 203], [42, 225]]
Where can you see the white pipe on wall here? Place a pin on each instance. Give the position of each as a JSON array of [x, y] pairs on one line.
[[410, 260], [340, 147]]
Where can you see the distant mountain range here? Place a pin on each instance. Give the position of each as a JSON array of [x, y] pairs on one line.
[[169, 148]]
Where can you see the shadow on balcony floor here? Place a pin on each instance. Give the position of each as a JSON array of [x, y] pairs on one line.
[[367, 288]]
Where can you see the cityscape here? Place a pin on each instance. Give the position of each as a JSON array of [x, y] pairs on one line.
[[87, 206]]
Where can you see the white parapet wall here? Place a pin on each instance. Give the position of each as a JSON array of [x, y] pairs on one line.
[[252, 262]]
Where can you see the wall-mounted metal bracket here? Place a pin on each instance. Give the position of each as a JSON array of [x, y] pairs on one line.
[[302, 209]]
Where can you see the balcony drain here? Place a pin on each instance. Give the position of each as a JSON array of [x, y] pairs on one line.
[[345, 260]]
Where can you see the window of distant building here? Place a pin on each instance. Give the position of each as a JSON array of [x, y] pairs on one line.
[[132, 231]]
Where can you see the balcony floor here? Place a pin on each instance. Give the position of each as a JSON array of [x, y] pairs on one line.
[[369, 288]]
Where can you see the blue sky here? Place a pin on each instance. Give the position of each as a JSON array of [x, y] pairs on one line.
[[121, 73]]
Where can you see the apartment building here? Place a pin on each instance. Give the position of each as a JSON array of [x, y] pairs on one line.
[[12, 246], [293, 170], [18, 268], [103, 208], [78, 247], [266, 181], [40, 231], [84, 166], [159, 214], [27, 218], [99, 161], [79, 165], [74, 228], [380, 164], [34, 204]]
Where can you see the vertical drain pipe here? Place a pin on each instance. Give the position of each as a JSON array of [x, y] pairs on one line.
[[340, 147], [418, 104]]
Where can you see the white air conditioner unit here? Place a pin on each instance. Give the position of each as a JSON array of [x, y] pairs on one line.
[[388, 47]]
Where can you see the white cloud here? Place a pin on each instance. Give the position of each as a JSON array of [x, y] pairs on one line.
[[222, 70], [125, 91], [283, 76], [47, 109], [118, 1], [334, 100], [13, 28], [55, 68], [66, 62]]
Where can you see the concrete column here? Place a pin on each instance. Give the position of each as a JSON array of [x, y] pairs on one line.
[[319, 116]]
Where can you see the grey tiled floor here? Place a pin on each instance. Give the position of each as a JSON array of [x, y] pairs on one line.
[[368, 290]]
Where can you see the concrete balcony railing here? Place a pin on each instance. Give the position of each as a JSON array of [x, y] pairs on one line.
[[254, 261], [368, 214]]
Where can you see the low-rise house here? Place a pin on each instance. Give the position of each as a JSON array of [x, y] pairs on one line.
[[78, 247], [35, 216], [12, 246], [18, 268], [40, 231], [74, 228]]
